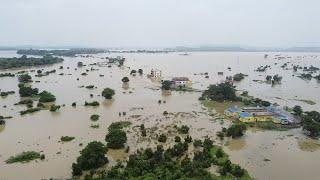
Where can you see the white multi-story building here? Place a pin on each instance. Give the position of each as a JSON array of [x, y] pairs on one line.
[[155, 73]]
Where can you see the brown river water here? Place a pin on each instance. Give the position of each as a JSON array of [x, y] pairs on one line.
[[265, 154]]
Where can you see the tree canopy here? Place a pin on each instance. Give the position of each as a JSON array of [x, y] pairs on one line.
[[220, 92], [91, 157], [108, 93], [46, 96]]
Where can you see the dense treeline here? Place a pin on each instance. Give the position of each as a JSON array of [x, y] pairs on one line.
[[174, 163], [24, 61], [60, 52]]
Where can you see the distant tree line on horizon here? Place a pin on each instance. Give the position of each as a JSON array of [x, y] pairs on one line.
[[60, 52], [24, 61]]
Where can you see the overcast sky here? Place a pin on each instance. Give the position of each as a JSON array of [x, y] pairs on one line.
[[159, 23]]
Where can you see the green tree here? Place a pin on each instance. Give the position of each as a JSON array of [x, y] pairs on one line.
[[220, 92], [162, 138], [125, 79], [116, 138], [24, 78], [27, 91], [166, 85], [91, 157], [236, 130], [108, 93], [46, 96]]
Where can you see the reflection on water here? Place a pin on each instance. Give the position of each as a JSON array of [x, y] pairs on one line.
[[237, 144], [2, 128]]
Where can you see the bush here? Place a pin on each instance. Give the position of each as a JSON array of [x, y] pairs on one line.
[[46, 96], [28, 111], [67, 138], [162, 138], [177, 139], [24, 78], [237, 171], [184, 129], [297, 110], [90, 86], [108, 93], [93, 103], [220, 92], [27, 91], [238, 77], [23, 157], [166, 85], [125, 79], [197, 143], [54, 108], [188, 139], [143, 133], [94, 117], [236, 130]]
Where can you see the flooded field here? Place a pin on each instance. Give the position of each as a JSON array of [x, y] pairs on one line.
[[265, 154]]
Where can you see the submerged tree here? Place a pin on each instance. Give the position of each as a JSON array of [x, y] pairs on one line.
[[125, 79], [220, 92], [91, 157], [108, 93]]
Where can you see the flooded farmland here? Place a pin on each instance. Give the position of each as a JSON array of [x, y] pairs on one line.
[[265, 154]]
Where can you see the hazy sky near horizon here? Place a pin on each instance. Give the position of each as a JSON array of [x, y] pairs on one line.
[[159, 23]]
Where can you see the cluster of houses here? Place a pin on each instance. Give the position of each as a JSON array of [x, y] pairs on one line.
[[254, 114]]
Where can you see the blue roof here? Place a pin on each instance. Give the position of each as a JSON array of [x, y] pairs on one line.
[[245, 115], [233, 109]]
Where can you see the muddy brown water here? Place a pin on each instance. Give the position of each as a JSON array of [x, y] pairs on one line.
[[289, 152]]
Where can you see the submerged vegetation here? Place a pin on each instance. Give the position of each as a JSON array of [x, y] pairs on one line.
[[220, 92], [46, 96], [24, 157], [116, 137], [91, 157], [108, 93], [67, 138], [174, 163]]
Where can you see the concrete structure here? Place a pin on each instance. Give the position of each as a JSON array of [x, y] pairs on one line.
[[155, 73], [181, 81], [253, 114]]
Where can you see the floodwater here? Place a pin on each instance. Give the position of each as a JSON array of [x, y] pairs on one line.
[[290, 153]]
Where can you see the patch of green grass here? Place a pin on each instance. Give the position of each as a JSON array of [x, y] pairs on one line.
[[24, 157], [67, 138]]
